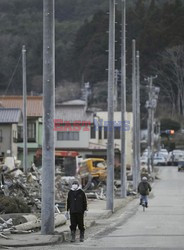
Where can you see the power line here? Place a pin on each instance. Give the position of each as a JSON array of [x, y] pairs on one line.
[[15, 70]]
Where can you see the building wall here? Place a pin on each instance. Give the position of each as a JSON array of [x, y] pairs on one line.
[[102, 118], [8, 143], [14, 140], [81, 140], [6, 138], [32, 146]]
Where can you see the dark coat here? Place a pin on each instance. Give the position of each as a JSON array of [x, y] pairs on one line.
[[76, 201], [144, 188]]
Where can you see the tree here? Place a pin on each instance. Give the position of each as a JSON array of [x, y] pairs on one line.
[[170, 70]]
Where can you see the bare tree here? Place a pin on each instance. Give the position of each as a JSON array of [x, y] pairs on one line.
[[170, 69]]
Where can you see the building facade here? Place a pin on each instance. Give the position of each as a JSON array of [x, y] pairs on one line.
[[10, 119]]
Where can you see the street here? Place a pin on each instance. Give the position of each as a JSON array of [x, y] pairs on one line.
[[159, 227]]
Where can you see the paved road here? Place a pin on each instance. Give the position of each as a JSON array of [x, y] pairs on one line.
[[161, 226]]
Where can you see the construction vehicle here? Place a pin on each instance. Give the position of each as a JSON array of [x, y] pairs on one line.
[[92, 171], [67, 160]]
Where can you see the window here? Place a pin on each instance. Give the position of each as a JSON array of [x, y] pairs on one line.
[[14, 136], [1, 133], [68, 136], [117, 132], [105, 132], [31, 132], [100, 132], [20, 134], [93, 132]]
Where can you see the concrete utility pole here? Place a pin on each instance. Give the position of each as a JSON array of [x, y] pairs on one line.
[[151, 106], [24, 108], [116, 91], [152, 134], [123, 100], [158, 133], [110, 132], [48, 149], [150, 80], [138, 116], [134, 108]]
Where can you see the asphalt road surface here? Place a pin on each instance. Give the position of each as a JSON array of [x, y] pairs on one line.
[[161, 226]]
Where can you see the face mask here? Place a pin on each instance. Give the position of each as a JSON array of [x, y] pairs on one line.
[[74, 186]]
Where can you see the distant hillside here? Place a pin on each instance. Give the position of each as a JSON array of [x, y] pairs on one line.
[[82, 40]]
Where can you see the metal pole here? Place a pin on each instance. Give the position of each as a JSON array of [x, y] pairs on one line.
[[138, 116], [159, 137], [149, 123], [48, 160], [123, 100], [152, 134], [116, 91], [24, 108], [110, 132], [134, 116]]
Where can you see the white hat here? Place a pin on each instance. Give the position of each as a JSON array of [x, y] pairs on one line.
[[144, 178]]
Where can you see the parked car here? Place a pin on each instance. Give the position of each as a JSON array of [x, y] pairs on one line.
[[159, 161], [175, 156], [163, 152], [180, 166], [144, 160]]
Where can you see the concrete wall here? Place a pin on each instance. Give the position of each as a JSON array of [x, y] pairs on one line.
[[7, 139]]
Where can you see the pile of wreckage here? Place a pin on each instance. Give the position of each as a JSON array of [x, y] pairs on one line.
[[20, 199], [25, 190]]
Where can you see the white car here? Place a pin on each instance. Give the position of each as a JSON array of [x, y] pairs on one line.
[[144, 160], [175, 156], [164, 153], [159, 161]]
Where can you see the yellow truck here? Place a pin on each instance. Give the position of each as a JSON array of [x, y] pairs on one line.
[[92, 171]]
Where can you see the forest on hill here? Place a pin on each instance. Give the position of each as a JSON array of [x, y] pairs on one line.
[[82, 44]]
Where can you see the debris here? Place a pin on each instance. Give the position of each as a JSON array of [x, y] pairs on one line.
[[3, 236], [5, 224]]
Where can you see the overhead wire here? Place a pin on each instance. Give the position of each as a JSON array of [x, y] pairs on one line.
[[11, 78]]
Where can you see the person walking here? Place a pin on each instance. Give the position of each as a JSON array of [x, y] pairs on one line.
[[76, 206], [144, 188]]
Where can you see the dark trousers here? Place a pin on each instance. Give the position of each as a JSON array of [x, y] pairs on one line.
[[77, 219]]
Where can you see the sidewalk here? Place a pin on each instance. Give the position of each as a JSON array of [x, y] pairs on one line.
[[96, 210]]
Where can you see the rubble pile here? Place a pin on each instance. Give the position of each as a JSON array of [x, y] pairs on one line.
[[20, 193]]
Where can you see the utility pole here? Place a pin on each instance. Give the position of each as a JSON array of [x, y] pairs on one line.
[[138, 115], [158, 133], [134, 109], [152, 133], [48, 149], [116, 91], [110, 132], [151, 106], [24, 108], [123, 100], [150, 80]]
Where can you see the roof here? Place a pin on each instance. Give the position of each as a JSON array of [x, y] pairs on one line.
[[10, 115], [34, 104]]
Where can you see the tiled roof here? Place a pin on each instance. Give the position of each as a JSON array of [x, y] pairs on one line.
[[34, 104], [10, 115]]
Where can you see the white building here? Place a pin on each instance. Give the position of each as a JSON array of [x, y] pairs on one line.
[[99, 132], [84, 131]]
